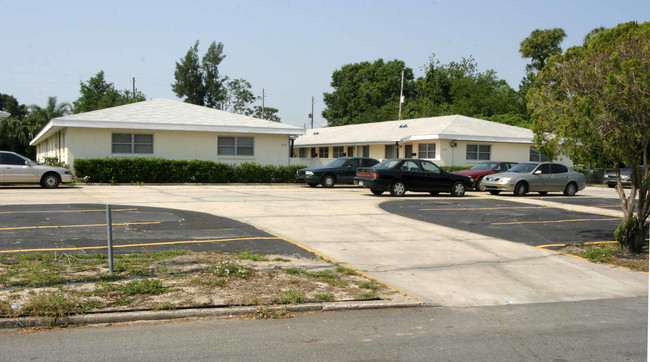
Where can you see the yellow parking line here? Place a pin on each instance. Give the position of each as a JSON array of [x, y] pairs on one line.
[[568, 244], [61, 211], [487, 208], [550, 221], [76, 226], [136, 245]]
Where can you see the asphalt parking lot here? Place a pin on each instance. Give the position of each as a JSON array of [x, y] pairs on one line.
[[508, 220], [81, 228]]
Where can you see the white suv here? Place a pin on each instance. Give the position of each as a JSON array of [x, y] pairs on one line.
[[17, 169]]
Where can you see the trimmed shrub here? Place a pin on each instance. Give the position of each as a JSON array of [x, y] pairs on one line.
[[158, 170]]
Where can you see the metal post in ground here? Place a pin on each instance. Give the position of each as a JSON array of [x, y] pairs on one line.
[[109, 233]]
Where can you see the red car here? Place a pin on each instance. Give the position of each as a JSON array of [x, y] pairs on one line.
[[477, 172]]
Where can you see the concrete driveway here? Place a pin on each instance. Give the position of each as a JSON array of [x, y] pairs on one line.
[[438, 264]]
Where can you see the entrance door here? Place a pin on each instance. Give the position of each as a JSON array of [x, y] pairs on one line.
[[408, 151]]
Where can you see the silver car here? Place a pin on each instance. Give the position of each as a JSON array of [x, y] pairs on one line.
[[538, 177], [17, 169]]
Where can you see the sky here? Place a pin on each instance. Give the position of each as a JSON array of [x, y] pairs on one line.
[[287, 48]]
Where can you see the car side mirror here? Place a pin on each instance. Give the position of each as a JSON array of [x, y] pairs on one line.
[[538, 172]]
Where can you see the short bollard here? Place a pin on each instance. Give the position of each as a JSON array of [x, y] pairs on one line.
[[109, 234]]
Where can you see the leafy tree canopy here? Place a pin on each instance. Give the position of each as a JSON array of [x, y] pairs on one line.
[[366, 92], [593, 102], [99, 94], [199, 82], [540, 45], [16, 133]]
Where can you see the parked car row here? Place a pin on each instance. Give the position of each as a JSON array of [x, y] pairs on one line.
[[17, 169], [400, 175]]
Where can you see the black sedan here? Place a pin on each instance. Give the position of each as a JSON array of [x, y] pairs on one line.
[[407, 174], [340, 171]]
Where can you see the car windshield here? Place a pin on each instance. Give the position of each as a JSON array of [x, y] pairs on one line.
[[387, 164], [484, 166], [337, 163], [524, 167]]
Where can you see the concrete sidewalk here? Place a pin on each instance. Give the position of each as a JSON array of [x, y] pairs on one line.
[[439, 265]]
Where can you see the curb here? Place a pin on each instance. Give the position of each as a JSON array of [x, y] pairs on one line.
[[160, 315]]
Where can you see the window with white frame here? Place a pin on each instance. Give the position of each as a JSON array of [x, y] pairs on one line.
[[302, 152], [536, 156], [478, 152], [132, 143], [323, 152], [313, 153], [235, 146], [350, 151], [427, 150], [337, 151]]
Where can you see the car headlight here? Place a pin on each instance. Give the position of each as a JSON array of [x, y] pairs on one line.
[[309, 173], [504, 180], [625, 178]]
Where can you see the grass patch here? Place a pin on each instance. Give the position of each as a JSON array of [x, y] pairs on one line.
[[247, 255], [365, 295], [143, 286], [292, 296], [325, 276], [56, 304], [611, 253], [324, 297]]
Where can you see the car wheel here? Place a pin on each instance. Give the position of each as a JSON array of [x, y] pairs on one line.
[[398, 188], [479, 186], [611, 186], [495, 192], [458, 189], [434, 193], [50, 180], [312, 185], [376, 192], [327, 181], [521, 189], [543, 193], [570, 189]]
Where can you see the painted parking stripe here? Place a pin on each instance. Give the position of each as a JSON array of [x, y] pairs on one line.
[[76, 226], [551, 221], [486, 208], [139, 245], [62, 211]]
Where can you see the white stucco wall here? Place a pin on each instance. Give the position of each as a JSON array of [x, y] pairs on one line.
[[175, 145], [447, 155]]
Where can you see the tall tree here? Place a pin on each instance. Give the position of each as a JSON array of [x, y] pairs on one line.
[[593, 102], [199, 82], [366, 92], [97, 93], [460, 88], [215, 93], [238, 97], [270, 114], [540, 45]]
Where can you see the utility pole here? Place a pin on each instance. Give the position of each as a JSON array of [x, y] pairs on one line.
[[133, 87], [312, 112], [401, 96]]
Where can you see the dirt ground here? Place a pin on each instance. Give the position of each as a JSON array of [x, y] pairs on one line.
[[196, 280]]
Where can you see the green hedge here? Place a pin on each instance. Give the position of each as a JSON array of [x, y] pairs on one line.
[[157, 170], [455, 168]]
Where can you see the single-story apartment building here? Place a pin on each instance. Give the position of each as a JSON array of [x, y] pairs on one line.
[[447, 140], [163, 128]]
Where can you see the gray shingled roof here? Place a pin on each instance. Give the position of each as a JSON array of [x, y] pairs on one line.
[[454, 127], [166, 114]]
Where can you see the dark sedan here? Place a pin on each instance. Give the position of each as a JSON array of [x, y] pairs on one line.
[[340, 171], [407, 174]]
